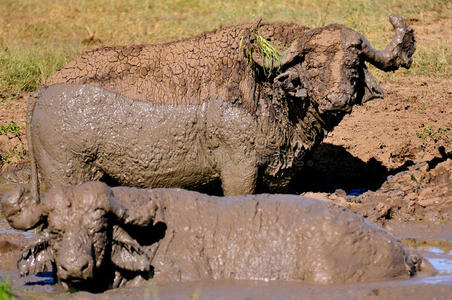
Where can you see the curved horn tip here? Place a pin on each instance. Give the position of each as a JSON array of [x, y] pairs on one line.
[[397, 21]]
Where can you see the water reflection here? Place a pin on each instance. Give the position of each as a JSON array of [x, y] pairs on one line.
[[6, 229], [440, 259]]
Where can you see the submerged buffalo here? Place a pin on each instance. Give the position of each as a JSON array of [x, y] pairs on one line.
[[240, 105], [97, 237]]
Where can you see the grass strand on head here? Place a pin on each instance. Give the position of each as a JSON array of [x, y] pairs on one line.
[[270, 53]]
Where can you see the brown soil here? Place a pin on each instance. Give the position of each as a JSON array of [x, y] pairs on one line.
[[14, 110], [386, 129], [12, 148], [398, 148]]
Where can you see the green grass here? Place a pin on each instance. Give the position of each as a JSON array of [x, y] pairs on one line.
[[6, 292], [24, 68], [16, 153], [430, 132], [37, 37], [270, 53], [11, 130]]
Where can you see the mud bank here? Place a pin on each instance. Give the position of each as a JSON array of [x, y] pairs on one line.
[[423, 192]]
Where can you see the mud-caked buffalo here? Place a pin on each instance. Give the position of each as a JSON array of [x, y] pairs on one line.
[[97, 237], [240, 106]]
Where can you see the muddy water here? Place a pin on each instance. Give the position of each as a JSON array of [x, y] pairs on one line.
[[440, 259], [438, 252], [6, 229], [433, 241]]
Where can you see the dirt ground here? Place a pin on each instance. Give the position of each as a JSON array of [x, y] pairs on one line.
[[397, 148]]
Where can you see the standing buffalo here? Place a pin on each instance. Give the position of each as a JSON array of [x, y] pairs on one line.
[[241, 105], [95, 237]]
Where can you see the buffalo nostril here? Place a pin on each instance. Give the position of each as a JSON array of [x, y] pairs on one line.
[[81, 267], [62, 271], [84, 267]]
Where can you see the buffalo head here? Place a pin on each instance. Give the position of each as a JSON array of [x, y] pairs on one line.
[[327, 65], [80, 237]]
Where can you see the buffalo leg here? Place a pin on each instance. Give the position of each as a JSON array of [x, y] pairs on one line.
[[238, 177]]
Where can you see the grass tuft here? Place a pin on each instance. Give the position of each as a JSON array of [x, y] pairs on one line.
[[6, 292], [271, 54], [11, 129], [430, 132]]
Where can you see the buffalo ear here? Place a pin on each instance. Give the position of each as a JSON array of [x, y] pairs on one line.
[[22, 211], [372, 89], [290, 53], [37, 257], [127, 254]]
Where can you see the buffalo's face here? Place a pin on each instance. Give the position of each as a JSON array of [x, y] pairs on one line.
[[327, 66], [76, 235], [330, 67], [334, 71], [82, 239], [80, 242], [334, 64]]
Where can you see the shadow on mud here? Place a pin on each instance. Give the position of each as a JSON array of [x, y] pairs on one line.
[[45, 278], [330, 167]]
